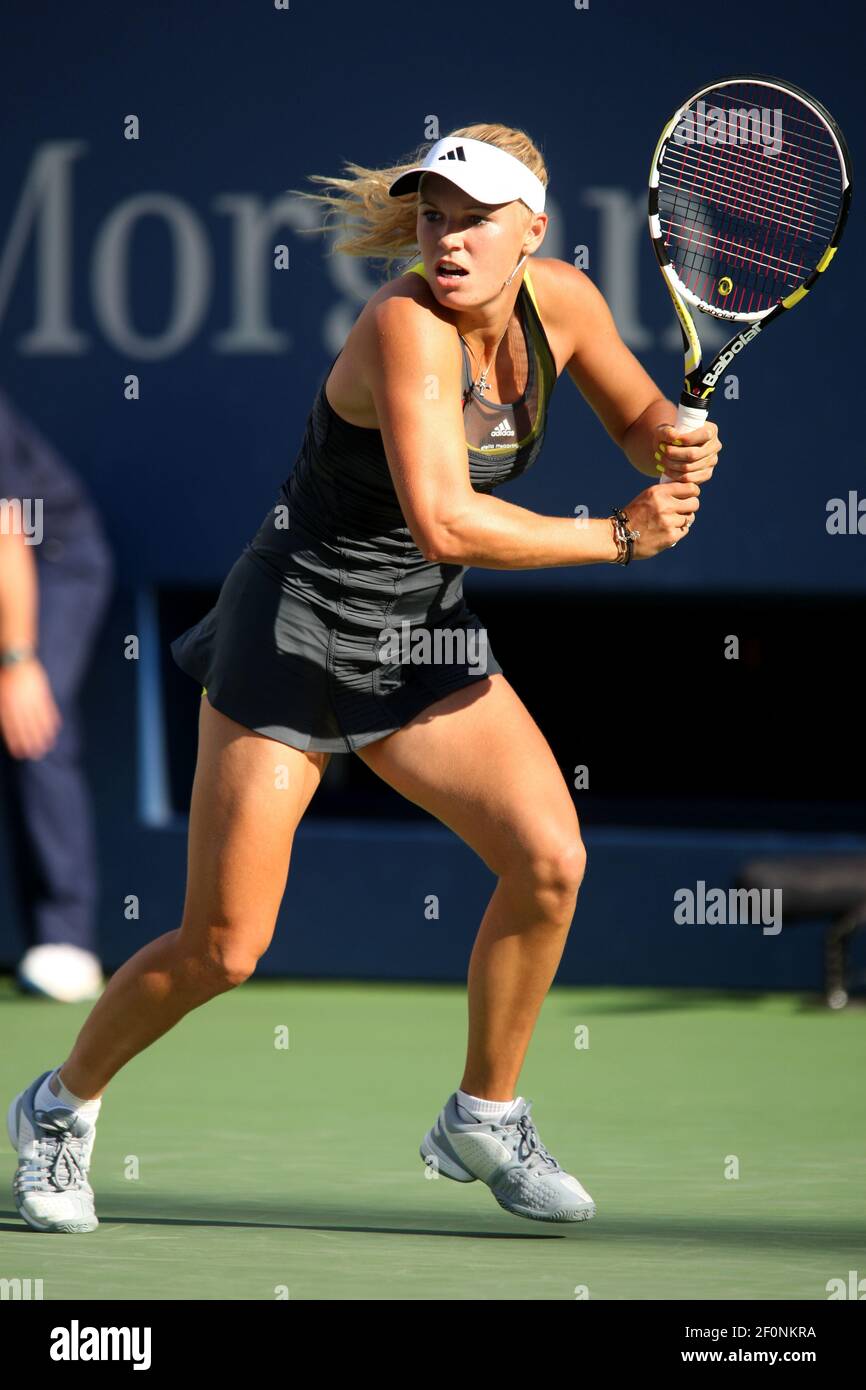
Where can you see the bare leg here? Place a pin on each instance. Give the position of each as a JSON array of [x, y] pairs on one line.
[[479, 763], [513, 963], [242, 822]]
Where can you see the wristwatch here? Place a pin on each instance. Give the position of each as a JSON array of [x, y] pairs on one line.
[[11, 656]]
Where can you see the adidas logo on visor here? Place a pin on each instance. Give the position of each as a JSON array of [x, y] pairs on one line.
[[457, 153]]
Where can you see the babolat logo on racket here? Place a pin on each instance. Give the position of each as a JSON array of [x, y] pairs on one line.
[[736, 345]]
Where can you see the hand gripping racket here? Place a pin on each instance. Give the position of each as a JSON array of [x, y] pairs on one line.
[[749, 192]]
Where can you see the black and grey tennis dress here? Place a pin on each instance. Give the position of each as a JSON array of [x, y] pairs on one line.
[[332, 630]]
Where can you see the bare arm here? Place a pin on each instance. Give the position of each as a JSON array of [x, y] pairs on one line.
[[605, 371], [19, 591], [497, 535], [29, 717], [624, 397], [414, 378]]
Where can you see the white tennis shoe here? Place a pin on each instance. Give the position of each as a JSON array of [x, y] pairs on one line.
[[54, 1147], [510, 1158]]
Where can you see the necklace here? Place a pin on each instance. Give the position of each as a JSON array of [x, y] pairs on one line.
[[482, 384]]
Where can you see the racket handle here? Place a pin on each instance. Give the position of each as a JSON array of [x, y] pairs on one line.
[[688, 418]]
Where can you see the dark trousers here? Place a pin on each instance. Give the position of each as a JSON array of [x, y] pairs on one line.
[[47, 800]]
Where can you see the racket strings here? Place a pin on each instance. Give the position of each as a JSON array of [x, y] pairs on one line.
[[762, 194], [746, 181], [810, 128], [724, 246], [743, 227], [820, 220]]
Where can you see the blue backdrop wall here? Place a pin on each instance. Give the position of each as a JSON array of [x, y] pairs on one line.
[[155, 256]]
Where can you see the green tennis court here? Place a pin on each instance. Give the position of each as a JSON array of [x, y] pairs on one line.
[[229, 1167]]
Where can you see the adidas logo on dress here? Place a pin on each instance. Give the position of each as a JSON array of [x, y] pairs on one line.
[[502, 429]]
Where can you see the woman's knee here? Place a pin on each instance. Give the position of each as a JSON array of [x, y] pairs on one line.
[[232, 970], [216, 963], [555, 866]]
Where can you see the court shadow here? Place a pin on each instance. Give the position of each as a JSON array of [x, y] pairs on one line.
[[738, 1234], [11, 1225], [650, 1001]]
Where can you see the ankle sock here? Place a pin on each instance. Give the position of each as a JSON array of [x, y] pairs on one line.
[[484, 1109], [45, 1098]]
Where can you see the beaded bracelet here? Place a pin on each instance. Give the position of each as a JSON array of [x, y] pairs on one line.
[[623, 535]]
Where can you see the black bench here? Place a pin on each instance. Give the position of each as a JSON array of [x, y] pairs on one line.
[[813, 886]]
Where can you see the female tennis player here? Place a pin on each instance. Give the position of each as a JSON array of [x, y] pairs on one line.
[[438, 397]]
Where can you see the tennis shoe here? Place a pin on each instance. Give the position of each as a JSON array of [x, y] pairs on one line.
[[54, 1146], [510, 1158]]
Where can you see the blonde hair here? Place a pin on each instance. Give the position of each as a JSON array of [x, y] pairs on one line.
[[380, 227]]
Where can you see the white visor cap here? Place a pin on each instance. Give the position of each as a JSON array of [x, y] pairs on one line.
[[482, 170]]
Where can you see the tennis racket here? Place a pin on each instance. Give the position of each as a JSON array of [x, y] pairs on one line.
[[749, 192]]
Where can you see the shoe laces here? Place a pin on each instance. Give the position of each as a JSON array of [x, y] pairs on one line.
[[58, 1163], [530, 1150]]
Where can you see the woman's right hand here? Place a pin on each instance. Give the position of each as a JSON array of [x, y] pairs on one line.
[[663, 514]]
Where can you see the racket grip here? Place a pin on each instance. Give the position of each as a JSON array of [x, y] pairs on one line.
[[688, 418]]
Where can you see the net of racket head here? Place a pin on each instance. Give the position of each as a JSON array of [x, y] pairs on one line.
[[750, 187]]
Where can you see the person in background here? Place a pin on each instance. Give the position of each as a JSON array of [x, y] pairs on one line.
[[56, 576]]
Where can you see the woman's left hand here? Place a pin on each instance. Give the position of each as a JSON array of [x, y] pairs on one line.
[[687, 457]]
